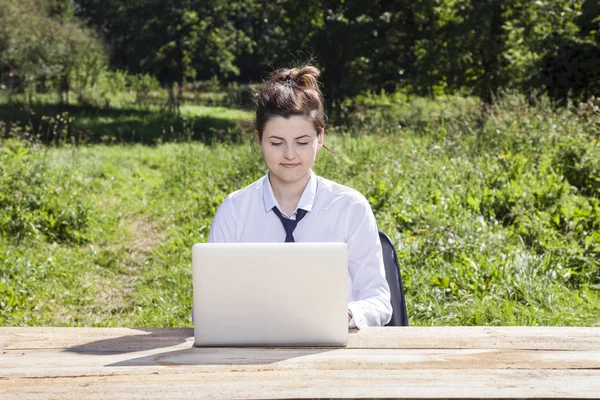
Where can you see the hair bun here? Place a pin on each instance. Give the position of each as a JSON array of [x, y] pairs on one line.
[[304, 78]]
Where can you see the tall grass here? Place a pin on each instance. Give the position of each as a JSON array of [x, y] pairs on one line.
[[495, 213]]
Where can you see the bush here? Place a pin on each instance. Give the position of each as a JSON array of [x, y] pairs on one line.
[[240, 96], [37, 201], [522, 164]]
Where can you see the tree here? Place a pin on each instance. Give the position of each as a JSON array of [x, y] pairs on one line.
[[46, 47], [174, 40], [422, 46]]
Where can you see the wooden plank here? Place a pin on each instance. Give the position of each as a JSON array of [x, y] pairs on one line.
[[52, 362], [120, 339], [408, 384], [524, 338]]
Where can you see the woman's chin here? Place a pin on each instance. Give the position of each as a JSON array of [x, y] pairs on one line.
[[289, 175]]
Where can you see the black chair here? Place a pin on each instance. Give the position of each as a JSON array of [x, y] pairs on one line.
[[394, 279]]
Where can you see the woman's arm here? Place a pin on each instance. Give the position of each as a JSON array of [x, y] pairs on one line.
[[370, 291], [223, 228]]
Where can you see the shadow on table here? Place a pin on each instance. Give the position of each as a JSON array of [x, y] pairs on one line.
[[221, 356], [152, 339], [155, 339]]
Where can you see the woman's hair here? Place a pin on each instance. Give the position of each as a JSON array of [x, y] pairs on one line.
[[287, 92]]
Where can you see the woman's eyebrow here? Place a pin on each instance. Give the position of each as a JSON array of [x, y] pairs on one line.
[[280, 138]]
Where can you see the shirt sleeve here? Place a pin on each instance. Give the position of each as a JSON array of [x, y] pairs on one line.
[[371, 304], [223, 229]]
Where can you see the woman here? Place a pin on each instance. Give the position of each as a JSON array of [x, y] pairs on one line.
[[291, 203]]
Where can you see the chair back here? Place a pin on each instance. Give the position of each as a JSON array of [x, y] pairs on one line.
[[394, 279]]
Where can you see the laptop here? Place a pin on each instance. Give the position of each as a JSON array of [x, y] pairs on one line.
[[270, 294]]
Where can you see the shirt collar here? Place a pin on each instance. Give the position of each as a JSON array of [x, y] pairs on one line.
[[306, 200]]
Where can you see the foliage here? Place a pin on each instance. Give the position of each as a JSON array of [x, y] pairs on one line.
[[571, 71], [108, 82], [426, 47], [174, 41], [45, 48], [422, 47], [33, 207]]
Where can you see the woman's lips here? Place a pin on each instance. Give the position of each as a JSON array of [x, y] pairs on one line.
[[289, 165]]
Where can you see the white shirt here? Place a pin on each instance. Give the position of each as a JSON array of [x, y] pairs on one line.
[[335, 213]]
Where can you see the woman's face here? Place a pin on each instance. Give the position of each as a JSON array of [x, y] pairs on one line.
[[290, 147]]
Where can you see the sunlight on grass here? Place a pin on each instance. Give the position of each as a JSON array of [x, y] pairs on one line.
[[216, 112]]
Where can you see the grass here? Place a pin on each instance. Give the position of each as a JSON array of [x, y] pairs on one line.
[[125, 120], [495, 215]]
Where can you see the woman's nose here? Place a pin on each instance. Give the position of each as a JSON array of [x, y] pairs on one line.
[[289, 152]]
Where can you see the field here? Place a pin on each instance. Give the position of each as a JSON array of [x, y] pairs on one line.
[[494, 210]]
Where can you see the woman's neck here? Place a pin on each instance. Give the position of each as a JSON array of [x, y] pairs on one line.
[[288, 193]]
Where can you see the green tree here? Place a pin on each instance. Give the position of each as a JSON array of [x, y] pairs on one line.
[[422, 46], [176, 40], [47, 47]]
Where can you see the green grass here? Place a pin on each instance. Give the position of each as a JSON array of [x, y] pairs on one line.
[[123, 119], [495, 217]]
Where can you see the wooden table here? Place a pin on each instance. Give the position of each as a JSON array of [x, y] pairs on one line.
[[415, 362]]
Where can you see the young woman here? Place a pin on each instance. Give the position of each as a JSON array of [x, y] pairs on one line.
[[291, 203]]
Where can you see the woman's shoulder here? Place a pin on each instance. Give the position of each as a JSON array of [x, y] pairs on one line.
[[345, 201], [333, 190], [244, 195]]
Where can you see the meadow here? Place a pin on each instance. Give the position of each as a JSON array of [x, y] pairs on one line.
[[494, 210]]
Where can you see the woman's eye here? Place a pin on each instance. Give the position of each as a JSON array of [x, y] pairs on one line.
[[302, 143], [276, 143]]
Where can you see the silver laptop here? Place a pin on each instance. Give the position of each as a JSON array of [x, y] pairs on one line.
[[270, 294]]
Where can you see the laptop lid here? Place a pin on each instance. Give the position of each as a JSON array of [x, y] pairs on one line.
[[270, 294]]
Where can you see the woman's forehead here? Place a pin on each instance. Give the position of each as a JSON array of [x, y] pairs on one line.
[[292, 127]]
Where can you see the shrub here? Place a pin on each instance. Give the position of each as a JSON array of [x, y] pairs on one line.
[[37, 201]]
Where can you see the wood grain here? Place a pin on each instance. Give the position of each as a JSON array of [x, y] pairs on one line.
[[410, 384], [46, 363], [414, 362], [524, 338]]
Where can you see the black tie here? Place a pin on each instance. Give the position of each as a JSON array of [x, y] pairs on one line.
[[289, 224]]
